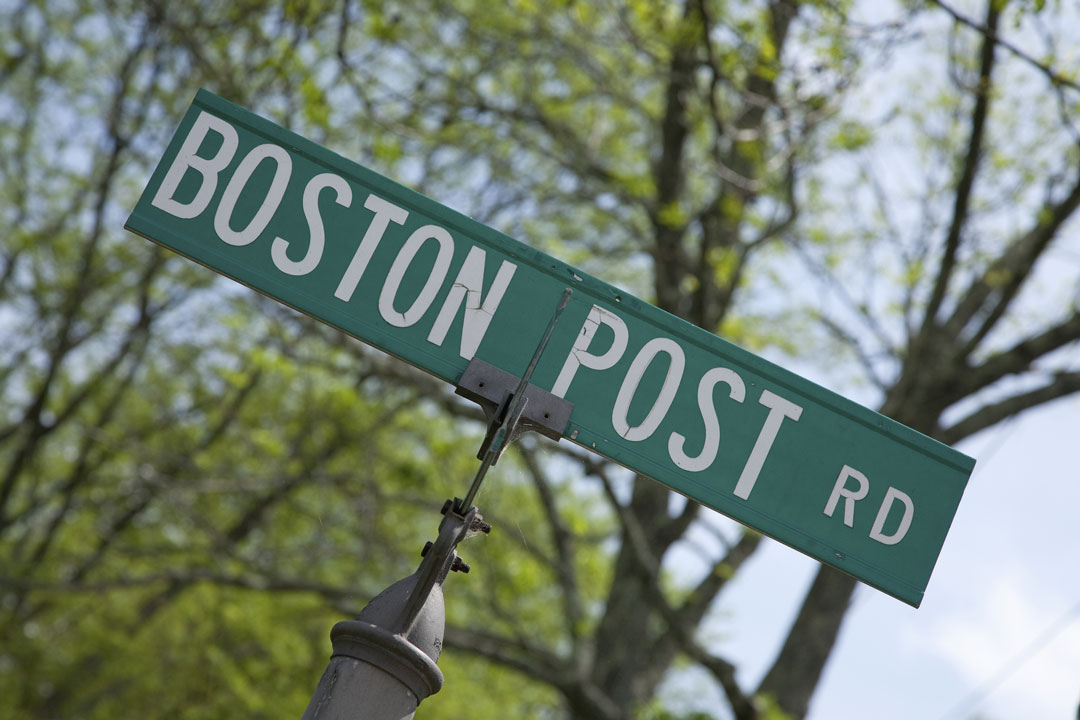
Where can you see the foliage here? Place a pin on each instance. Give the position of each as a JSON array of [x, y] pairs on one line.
[[195, 483]]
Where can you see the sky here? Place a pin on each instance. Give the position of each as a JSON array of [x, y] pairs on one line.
[[998, 634]]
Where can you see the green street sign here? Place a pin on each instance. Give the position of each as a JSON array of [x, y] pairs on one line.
[[708, 419]]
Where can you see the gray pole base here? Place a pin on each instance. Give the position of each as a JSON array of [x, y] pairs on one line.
[[383, 662], [376, 674], [352, 689], [373, 675]]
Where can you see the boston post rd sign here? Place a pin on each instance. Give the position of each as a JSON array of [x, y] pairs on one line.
[[671, 401]]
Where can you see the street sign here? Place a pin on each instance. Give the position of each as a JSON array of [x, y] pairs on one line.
[[708, 419]]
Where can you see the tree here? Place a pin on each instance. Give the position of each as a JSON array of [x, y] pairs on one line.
[[180, 460]]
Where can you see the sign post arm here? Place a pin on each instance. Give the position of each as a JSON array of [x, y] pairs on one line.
[[503, 425]]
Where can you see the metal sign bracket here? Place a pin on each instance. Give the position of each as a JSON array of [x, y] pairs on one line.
[[504, 423], [493, 389]]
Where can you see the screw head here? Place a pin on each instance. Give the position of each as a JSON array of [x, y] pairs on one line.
[[446, 507], [427, 548]]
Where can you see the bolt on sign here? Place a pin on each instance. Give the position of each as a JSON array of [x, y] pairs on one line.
[[664, 398]]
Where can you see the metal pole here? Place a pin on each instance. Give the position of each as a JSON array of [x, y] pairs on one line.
[[383, 662]]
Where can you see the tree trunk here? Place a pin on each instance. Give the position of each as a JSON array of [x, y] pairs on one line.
[[794, 676]]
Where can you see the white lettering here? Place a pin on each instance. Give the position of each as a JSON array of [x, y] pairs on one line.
[[737, 392], [479, 312], [850, 496], [385, 213], [207, 167], [269, 204], [279, 250], [891, 496], [431, 286], [578, 353], [630, 385], [779, 409]]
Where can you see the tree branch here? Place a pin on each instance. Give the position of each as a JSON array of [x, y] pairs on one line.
[[186, 577], [1007, 274], [255, 513], [742, 705], [1055, 77], [1063, 383], [84, 467], [144, 495], [527, 658], [682, 623], [1019, 357], [693, 609], [849, 339], [795, 672], [966, 181], [670, 261], [563, 540]]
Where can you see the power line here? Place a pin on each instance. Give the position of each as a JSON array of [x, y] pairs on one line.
[[972, 701]]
